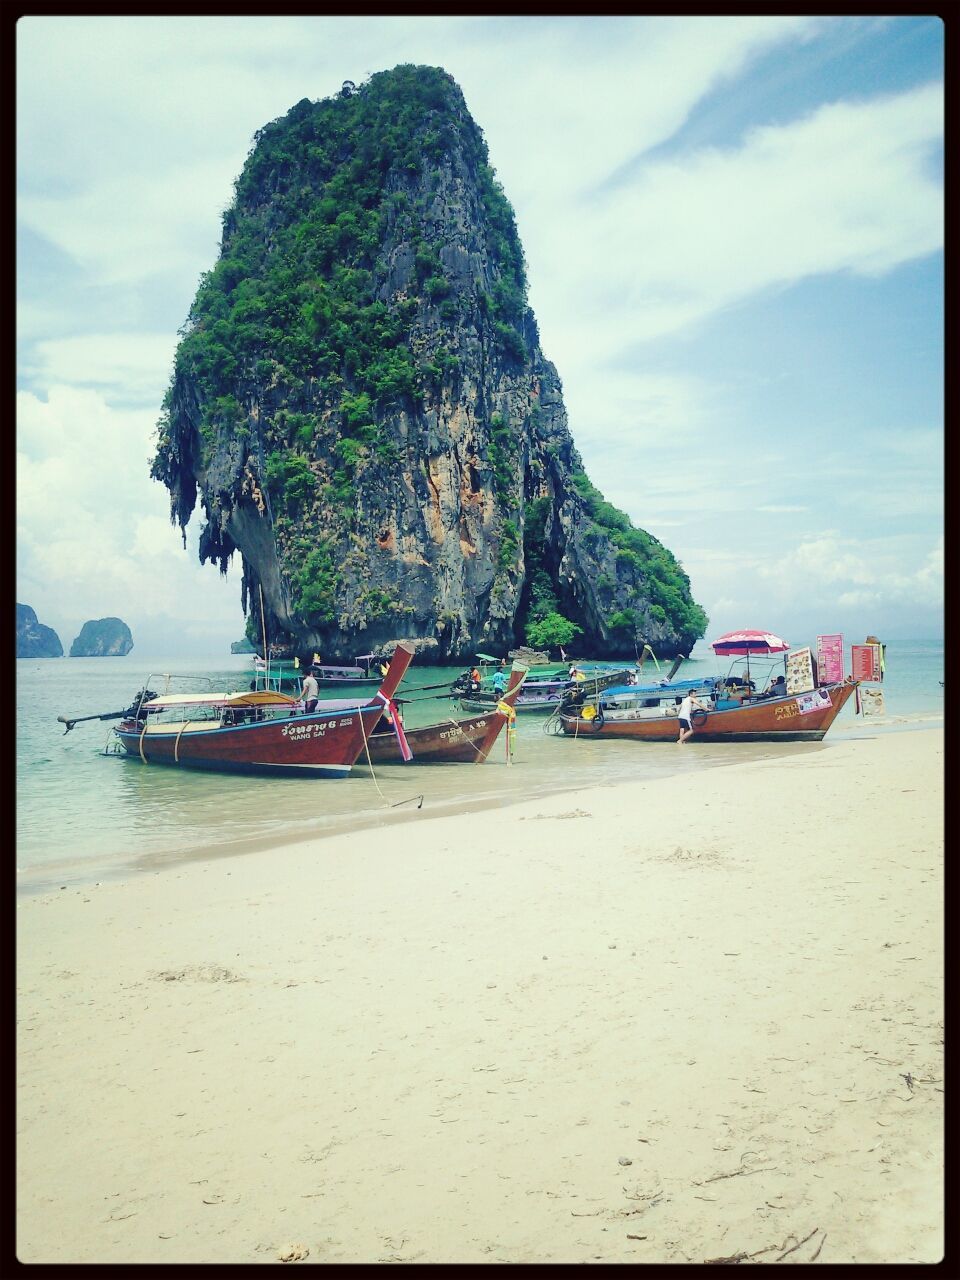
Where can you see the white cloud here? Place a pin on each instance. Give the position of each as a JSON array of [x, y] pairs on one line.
[[93, 538], [610, 89], [859, 599], [884, 568], [128, 366], [123, 231], [846, 189], [127, 166]]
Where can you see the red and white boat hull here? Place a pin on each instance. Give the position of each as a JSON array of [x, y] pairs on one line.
[[258, 732], [324, 745]]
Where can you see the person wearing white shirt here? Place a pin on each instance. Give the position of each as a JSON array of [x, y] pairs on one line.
[[310, 692], [688, 705]]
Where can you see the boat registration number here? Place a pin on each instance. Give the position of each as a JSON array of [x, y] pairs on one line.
[[457, 732], [299, 732]]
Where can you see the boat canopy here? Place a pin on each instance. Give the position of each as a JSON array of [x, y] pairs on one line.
[[659, 688], [249, 698]]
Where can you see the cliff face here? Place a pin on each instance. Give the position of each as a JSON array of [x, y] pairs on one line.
[[361, 403], [102, 638], [34, 640]]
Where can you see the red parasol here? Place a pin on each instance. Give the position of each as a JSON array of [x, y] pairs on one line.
[[738, 643]]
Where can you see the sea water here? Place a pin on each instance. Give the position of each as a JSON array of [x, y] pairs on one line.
[[83, 814]]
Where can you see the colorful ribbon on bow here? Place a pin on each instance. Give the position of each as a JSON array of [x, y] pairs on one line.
[[390, 708], [511, 717]]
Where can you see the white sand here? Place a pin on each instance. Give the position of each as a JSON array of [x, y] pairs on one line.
[[670, 1021]]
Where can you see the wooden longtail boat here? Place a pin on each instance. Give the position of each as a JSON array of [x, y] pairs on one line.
[[467, 741], [365, 672], [649, 714], [258, 731], [544, 695], [276, 675]]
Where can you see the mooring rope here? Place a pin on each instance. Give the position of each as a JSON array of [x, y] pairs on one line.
[[373, 774]]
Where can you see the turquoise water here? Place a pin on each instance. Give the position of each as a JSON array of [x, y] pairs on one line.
[[84, 816]]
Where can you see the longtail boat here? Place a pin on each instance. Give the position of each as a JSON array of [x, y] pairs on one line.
[[366, 671], [649, 713], [545, 694], [257, 731], [277, 676], [729, 709], [465, 741]]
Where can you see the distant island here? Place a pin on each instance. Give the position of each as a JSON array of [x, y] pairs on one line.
[[34, 640], [242, 646], [102, 638]]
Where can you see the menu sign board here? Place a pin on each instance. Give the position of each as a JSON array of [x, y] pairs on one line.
[[830, 659], [865, 661], [871, 701], [799, 666], [815, 700]]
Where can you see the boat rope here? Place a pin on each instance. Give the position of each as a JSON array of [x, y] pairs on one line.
[[176, 745], [455, 724], [142, 732], [373, 774], [433, 697], [553, 725], [503, 709]]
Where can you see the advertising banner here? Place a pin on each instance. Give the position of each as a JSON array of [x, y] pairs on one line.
[[815, 700], [871, 701], [830, 659], [865, 661], [799, 666]]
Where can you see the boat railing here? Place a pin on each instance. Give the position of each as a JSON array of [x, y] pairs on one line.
[[273, 681], [167, 684], [213, 683]]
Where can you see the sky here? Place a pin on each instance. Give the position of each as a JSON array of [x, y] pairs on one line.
[[733, 229]]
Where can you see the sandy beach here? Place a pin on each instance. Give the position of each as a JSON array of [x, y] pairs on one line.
[[672, 1021]]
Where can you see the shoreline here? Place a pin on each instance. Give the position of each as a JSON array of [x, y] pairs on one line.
[[675, 1020], [41, 877]]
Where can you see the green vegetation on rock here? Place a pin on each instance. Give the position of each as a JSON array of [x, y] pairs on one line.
[[665, 582], [361, 403]]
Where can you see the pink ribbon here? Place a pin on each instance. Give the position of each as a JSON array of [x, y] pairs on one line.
[[405, 752]]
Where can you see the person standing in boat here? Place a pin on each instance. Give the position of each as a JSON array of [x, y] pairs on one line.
[[310, 693], [688, 706]]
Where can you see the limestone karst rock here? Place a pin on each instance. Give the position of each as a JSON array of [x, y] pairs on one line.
[[361, 403], [34, 640], [102, 638]]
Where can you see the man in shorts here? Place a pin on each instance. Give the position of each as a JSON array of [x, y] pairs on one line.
[[688, 705]]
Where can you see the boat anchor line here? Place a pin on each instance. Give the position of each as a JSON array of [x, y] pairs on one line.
[[373, 774]]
